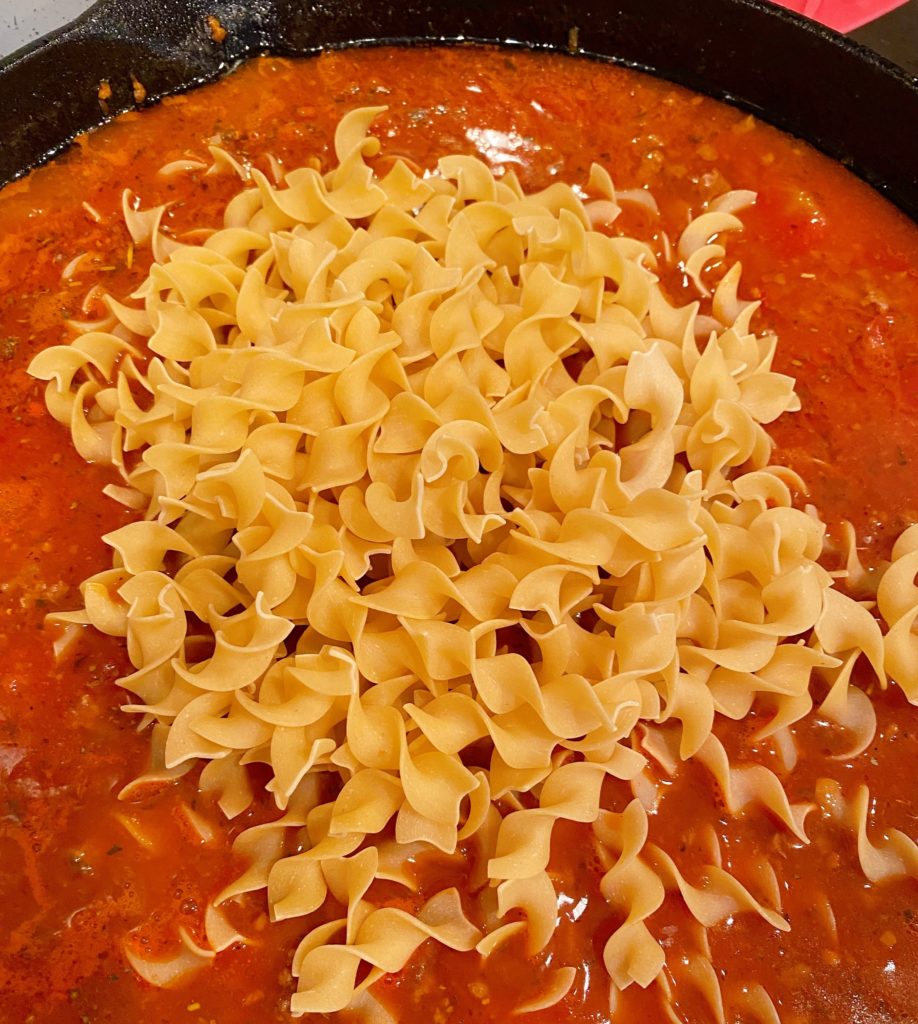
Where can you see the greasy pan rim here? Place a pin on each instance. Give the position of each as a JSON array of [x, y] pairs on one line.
[[854, 105]]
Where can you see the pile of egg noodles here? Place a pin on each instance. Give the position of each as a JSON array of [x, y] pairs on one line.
[[446, 515]]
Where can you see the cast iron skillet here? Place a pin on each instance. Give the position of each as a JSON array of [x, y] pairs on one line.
[[849, 102]]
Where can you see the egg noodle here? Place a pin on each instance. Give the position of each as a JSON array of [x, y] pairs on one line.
[[447, 516]]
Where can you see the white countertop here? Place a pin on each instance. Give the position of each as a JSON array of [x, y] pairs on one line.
[[22, 21]]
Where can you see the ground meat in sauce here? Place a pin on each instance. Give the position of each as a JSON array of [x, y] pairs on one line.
[[835, 270]]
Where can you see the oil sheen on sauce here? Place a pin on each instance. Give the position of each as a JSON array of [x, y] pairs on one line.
[[82, 872]]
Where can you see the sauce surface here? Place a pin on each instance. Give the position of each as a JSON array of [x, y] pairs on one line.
[[84, 872]]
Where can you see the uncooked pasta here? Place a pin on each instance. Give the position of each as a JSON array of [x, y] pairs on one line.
[[447, 515]]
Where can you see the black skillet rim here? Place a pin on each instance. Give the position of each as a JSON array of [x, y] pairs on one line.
[[168, 47]]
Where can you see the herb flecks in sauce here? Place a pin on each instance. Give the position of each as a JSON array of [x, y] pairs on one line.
[[835, 269]]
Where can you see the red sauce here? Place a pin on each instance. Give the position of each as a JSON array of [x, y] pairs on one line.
[[835, 268]]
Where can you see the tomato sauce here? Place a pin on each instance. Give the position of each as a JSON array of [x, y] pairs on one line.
[[82, 873]]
